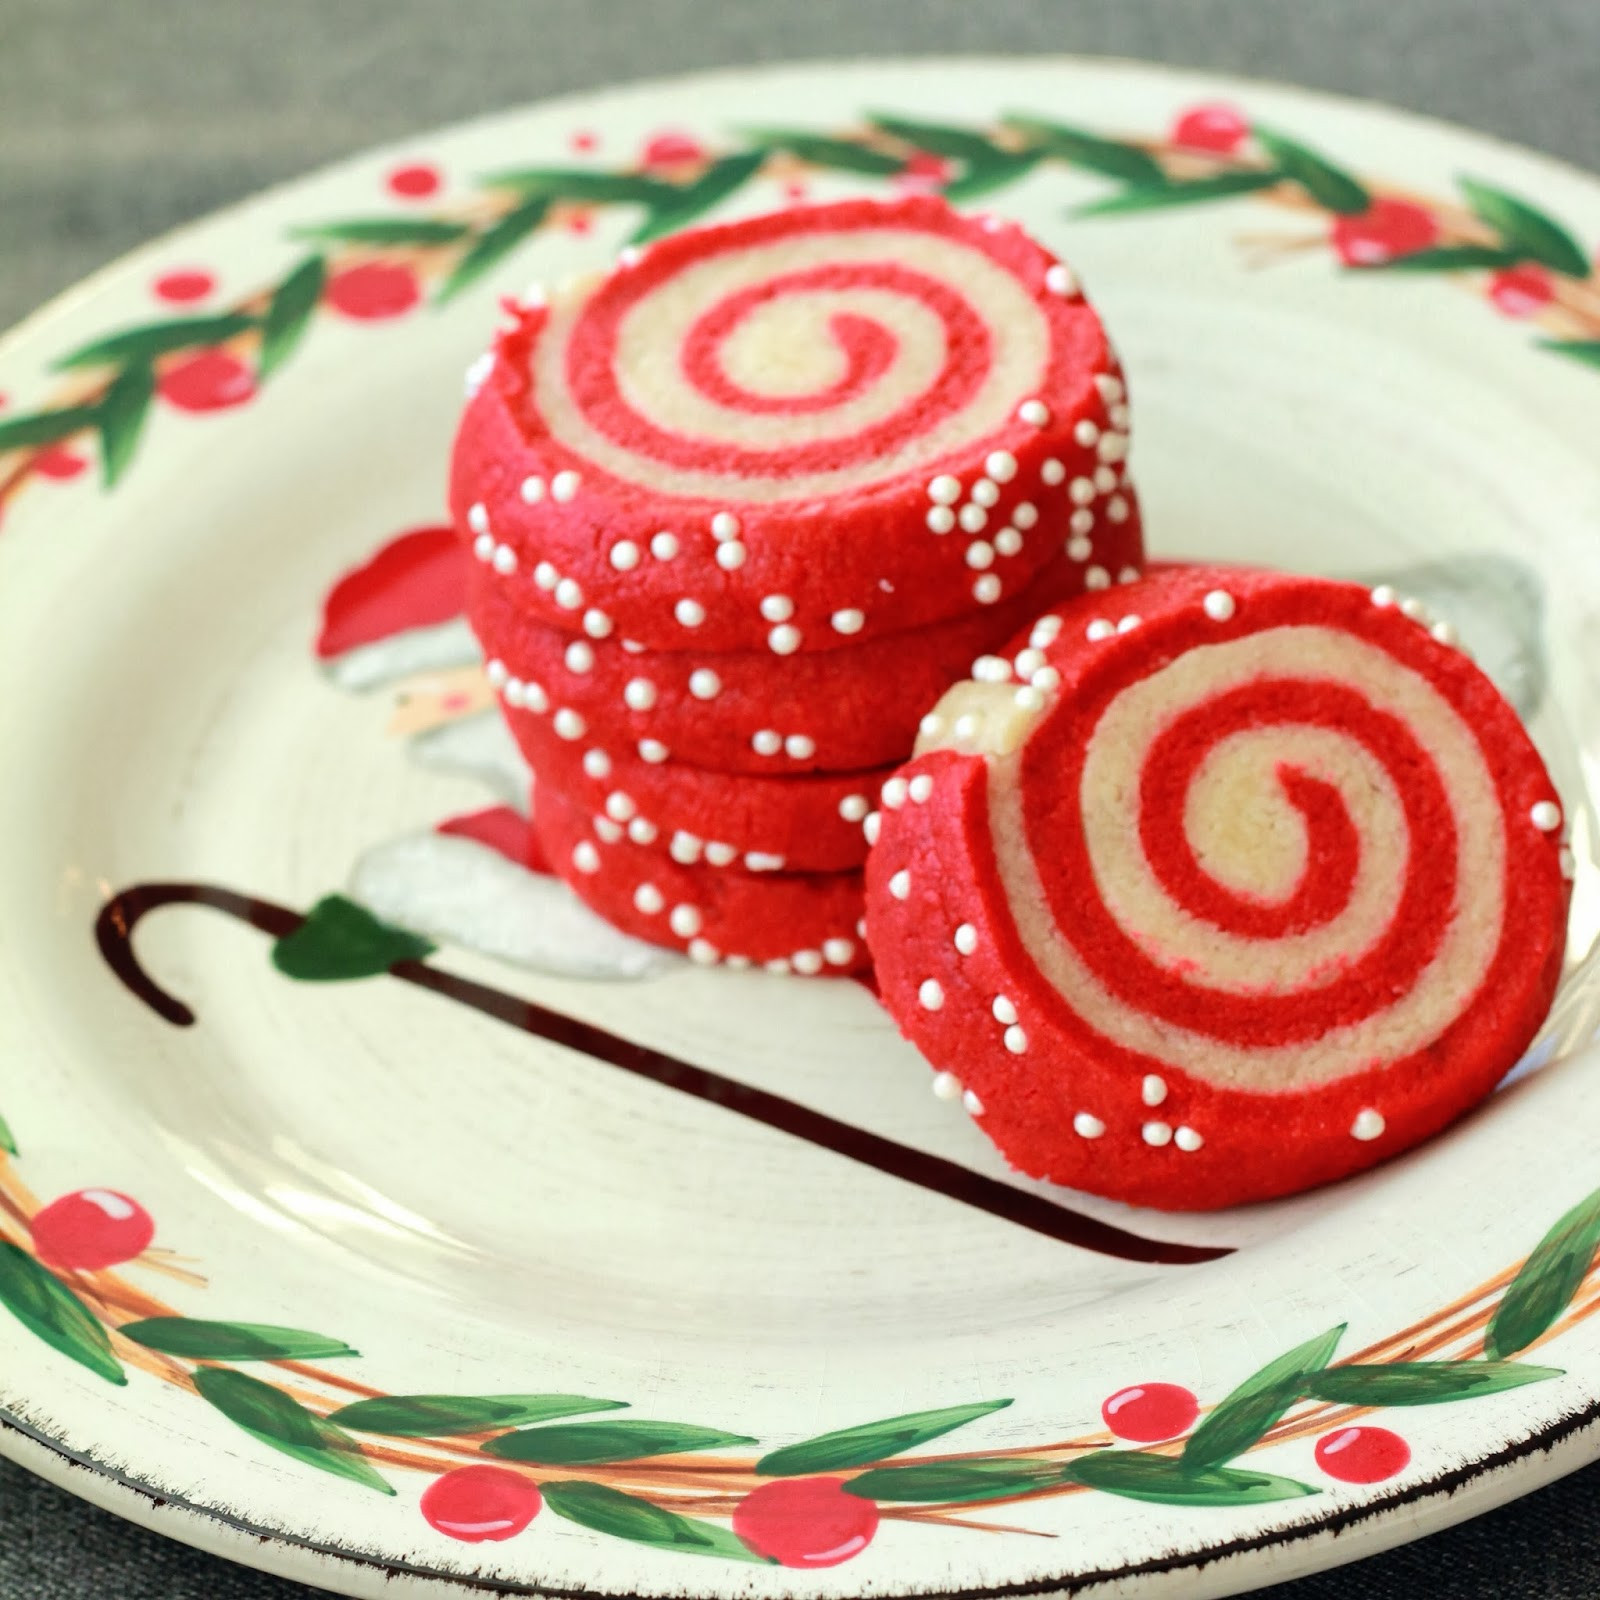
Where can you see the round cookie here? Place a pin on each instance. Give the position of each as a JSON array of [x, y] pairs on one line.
[[739, 711], [1228, 888], [806, 823], [807, 923], [793, 432]]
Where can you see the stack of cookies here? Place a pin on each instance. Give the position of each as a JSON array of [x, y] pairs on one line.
[[741, 510]]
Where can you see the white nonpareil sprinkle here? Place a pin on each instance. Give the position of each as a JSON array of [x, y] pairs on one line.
[[1081, 521], [1025, 514], [940, 519], [800, 746], [848, 621], [920, 788], [1053, 472], [597, 624], [1444, 632], [900, 884], [1100, 628], [1007, 542], [719, 854], [1086, 433], [807, 961], [838, 952], [1028, 661], [624, 555], [1029, 698], [705, 954], [973, 518], [483, 546], [1087, 1126], [568, 724], [1129, 623], [597, 763], [1081, 491], [931, 726], [564, 485], [496, 673], [477, 373], [653, 751], [620, 806], [854, 807], [664, 546], [607, 829], [1046, 680], [1112, 446], [690, 613], [1117, 508], [1033, 412], [966, 726], [648, 898], [1414, 609], [532, 490], [534, 698], [1156, 1133], [1000, 465], [895, 791], [1097, 578], [685, 921], [1058, 279], [966, 938], [1153, 1090], [580, 657], [766, 741], [985, 492], [1004, 1012], [568, 594], [946, 1086], [685, 848], [931, 994], [1110, 387], [642, 831], [1016, 1041], [777, 608], [478, 518], [784, 640], [871, 825], [1105, 480], [639, 694], [1045, 631], [971, 1104], [585, 857], [991, 669], [724, 525], [1367, 1126], [1079, 548], [731, 556], [980, 554], [944, 490], [704, 684], [1219, 605], [1545, 816], [1384, 595], [1188, 1140], [986, 590]]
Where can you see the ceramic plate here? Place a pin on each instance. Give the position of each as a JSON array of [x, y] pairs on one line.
[[344, 1153]]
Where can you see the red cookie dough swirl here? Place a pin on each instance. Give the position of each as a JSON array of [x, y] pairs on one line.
[[1254, 881], [794, 432]]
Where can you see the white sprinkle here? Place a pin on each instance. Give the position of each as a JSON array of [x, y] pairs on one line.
[[532, 490], [1105, 480], [1127, 624], [585, 857], [973, 518], [1187, 1139], [1369, 1124], [1016, 1041], [1097, 578], [568, 595], [895, 791], [986, 492], [991, 669], [1058, 279], [653, 751], [778, 965], [1156, 1133], [597, 763], [987, 589], [1127, 574], [630, 255], [1028, 661], [871, 824], [808, 961], [496, 673], [1053, 472], [1383, 595], [719, 854], [624, 555], [685, 848], [940, 519], [800, 746], [1112, 446], [607, 829], [1081, 520], [1117, 508], [1110, 387], [1545, 816], [1034, 412], [483, 546], [1045, 631], [724, 525], [1029, 698], [946, 1086], [848, 621], [642, 831], [1082, 491], [971, 1104], [966, 726], [1153, 1090], [838, 952], [685, 921], [1004, 1012], [704, 684], [1087, 1126], [980, 554], [620, 806], [900, 884], [966, 938], [1218, 605], [690, 613], [1121, 416], [534, 698], [478, 518], [1099, 629], [1079, 548], [564, 485], [648, 898], [568, 724], [784, 640], [1000, 465], [944, 490], [1047, 680], [1007, 542], [766, 741], [580, 657], [777, 608], [931, 725], [664, 546], [931, 995], [1086, 432], [477, 373], [854, 807], [1414, 609], [704, 954], [731, 556], [920, 788], [1444, 632], [639, 694]]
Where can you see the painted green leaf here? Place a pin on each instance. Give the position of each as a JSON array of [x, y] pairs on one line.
[[839, 155], [49, 1310], [590, 1443], [626, 1516], [340, 940], [43, 427], [1198, 191], [1445, 258], [1330, 186], [385, 230], [198, 1340], [998, 1478], [1546, 1283], [688, 204], [442, 1416], [1258, 1403], [120, 417], [1141, 1476], [289, 314], [279, 1420], [1585, 350], [940, 139], [1080, 149], [578, 184], [154, 339], [870, 1441], [493, 245], [981, 177], [8, 1141], [1528, 231], [1421, 1383]]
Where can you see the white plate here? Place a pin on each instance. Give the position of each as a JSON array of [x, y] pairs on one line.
[[479, 1211]]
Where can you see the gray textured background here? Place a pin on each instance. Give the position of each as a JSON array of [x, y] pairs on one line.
[[120, 120]]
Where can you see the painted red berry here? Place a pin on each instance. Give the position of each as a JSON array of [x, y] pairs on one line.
[[923, 172], [805, 1522], [1146, 1412], [579, 221], [415, 181], [1216, 127], [182, 287], [91, 1229], [1362, 1455], [585, 140], [1385, 230], [795, 193], [671, 148], [59, 462], [373, 290], [1521, 291], [210, 380], [478, 1503]]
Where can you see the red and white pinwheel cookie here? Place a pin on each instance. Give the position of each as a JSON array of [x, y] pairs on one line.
[[1225, 886], [793, 432]]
